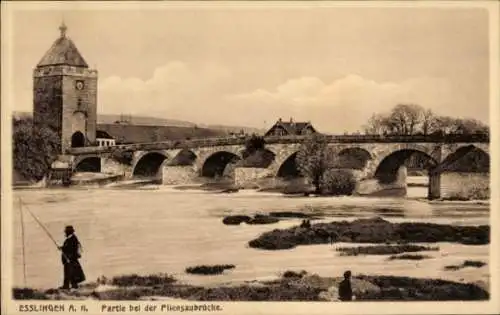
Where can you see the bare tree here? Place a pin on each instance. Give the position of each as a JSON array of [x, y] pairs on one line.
[[410, 119], [376, 125], [314, 158], [428, 122], [405, 118]]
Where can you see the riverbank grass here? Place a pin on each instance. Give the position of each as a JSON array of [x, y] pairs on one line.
[[291, 286]]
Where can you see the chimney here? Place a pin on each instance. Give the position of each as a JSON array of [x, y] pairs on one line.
[[279, 120]]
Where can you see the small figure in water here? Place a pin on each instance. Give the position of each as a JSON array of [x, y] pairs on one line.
[[73, 272], [305, 224], [345, 289]]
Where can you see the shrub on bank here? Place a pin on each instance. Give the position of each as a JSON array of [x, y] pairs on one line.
[[257, 219], [209, 270], [27, 294], [289, 214], [337, 182], [137, 280], [294, 274], [263, 219], [236, 219], [467, 263], [409, 257], [374, 230], [383, 249], [404, 288]]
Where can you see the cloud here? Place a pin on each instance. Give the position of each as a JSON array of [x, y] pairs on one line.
[[176, 90], [204, 93], [345, 104]]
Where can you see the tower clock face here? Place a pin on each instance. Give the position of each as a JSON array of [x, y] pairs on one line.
[[79, 85]]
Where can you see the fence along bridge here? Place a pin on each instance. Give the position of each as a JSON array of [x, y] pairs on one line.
[[383, 155]]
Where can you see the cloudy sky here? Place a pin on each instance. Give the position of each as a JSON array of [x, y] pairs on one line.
[[250, 65]]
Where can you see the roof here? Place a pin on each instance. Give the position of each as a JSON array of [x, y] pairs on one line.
[[102, 135], [63, 52], [293, 128]]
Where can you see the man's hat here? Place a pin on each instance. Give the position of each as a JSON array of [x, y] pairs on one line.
[[69, 228]]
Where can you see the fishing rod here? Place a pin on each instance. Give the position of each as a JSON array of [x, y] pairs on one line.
[[22, 237], [43, 227]]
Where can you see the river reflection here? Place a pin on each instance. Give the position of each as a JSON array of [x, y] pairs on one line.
[[160, 229]]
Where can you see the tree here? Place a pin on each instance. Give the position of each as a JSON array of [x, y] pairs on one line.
[[34, 148], [470, 126], [376, 125], [410, 119], [255, 153], [254, 144], [337, 182], [404, 119], [428, 122], [314, 158]]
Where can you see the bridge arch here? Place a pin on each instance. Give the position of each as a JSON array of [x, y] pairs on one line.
[[388, 167], [90, 164], [185, 157], [467, 158], [215, 164], [289, 169], [262, 158], [149, 164], [354, 158]]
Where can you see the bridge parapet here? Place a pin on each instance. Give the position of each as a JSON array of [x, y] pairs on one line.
[[210, 142]]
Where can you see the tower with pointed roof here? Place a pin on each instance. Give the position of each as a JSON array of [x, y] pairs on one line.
[[65, 94]]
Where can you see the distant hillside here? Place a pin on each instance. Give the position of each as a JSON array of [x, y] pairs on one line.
[[142, 120], [124, 133], [109, 119]]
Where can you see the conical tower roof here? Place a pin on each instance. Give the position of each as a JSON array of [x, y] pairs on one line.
[[63, 52]]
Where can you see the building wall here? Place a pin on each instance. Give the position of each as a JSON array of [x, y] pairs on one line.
[[75, 100], [56, 100], [465, 185]]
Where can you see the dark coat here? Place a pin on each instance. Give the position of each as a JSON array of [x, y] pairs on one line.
[[345, 290], [70, 254]]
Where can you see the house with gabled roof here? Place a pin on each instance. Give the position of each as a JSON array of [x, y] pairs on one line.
[[290, 128]]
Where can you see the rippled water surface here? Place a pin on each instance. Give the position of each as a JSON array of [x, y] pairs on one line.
[[166, 230]]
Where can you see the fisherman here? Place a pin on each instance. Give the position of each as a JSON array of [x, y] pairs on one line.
[[73, 272], [345, 289]]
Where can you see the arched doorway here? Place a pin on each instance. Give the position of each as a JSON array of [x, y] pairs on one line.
[[77, 140]]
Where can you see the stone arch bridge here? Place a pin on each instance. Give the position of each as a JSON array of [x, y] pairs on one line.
[[178, 162]]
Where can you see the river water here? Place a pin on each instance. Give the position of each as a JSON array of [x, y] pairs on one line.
[[160, 229]]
